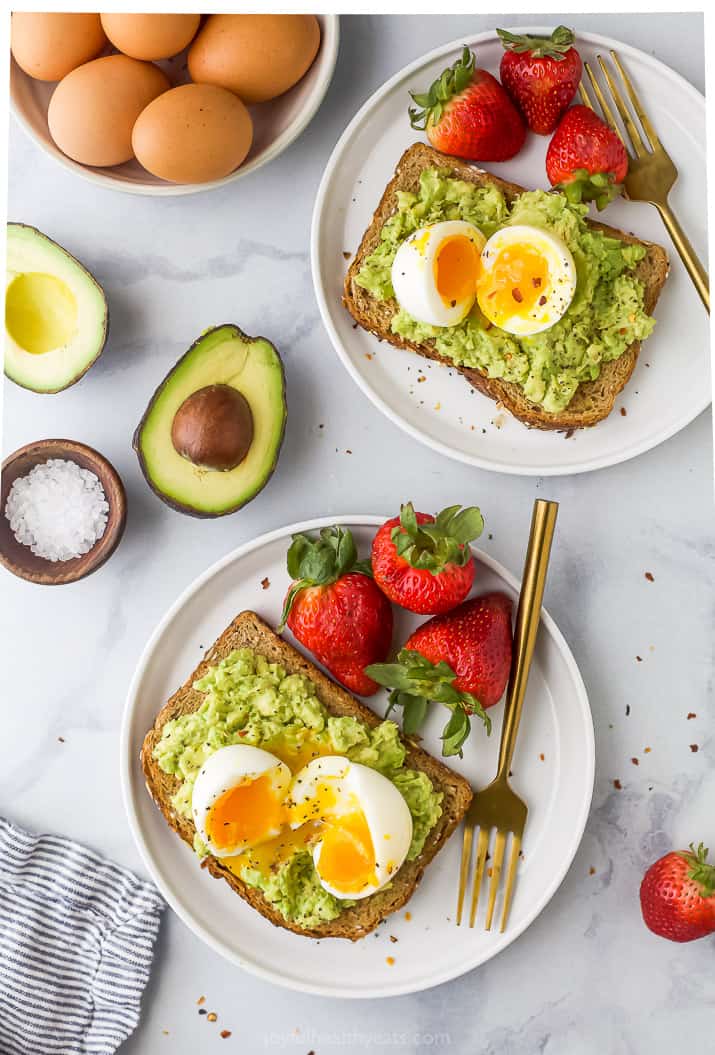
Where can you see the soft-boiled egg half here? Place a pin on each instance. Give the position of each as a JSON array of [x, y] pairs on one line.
[[526, 281], [435, 270], [365, 826], [238, 799]]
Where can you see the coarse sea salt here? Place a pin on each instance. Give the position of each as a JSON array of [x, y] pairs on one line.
[[59, 510]]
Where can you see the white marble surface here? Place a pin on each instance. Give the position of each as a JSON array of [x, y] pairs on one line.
[[587, 978]]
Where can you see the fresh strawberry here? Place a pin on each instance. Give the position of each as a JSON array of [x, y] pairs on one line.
[[586, 159], [424, 563], [541, 74], [335, 609], [678, 895], [461, 659], [467, 113]]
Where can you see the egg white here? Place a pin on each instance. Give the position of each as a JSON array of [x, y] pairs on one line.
[[559, 290], [227, 768], [357, 787], [413, 273]]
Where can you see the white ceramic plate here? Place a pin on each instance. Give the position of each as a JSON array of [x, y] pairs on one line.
[[556, 725], [276, 123], [671, 383]]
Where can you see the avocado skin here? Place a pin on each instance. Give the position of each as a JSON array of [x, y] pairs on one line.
[[181, 507], [104, 336]]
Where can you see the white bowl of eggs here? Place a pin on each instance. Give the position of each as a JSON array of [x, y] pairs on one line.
[[168, 104]]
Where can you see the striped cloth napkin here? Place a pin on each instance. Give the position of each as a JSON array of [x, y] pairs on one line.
[[77, 939]]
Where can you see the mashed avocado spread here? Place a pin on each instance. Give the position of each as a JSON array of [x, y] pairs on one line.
[[251, 701], [605, 316]]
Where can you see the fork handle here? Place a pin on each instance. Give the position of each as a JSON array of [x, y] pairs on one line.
[[687, 254], [543, 521]]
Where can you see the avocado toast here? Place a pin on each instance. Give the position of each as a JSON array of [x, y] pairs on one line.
[[248, 631], [593, 398]]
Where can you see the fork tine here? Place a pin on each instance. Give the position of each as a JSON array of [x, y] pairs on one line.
[[636, 103], [605, 108], [511, 875], [584, 96], [499, 844], [464, 867], [633, 133], [482, 847]]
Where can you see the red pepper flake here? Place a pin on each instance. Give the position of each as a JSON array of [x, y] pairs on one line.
[[639, 659], [592, 871], [635, 761], [691, 716], [492, 294], [541, 757], [265, 583], [624, 412], [225, 1034], [536, 281], [201, 1000], [649, 576], [694, 748], [517, 295], [617, 785], [542, 300]]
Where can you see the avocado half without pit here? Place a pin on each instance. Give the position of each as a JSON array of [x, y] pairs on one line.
[[56, 317], [210, 437]]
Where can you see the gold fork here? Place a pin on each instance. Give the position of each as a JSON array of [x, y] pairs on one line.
[[651, 172], [497, 806]]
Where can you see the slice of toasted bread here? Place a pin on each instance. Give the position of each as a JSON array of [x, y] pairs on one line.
[[593, 400], [249, 631]]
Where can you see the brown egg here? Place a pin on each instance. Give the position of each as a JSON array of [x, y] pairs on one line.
[[256, 56], [193, 134], [49, 45], [150, 36], [93, 109]]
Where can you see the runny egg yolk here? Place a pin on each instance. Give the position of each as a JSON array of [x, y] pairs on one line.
[[517, 280], [347, 855], [456, 269], [247, 813]]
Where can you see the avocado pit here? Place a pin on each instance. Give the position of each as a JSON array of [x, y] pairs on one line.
[[213, 428]]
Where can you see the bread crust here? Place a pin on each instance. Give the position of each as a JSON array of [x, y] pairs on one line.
[[248, 630], [593, 400]]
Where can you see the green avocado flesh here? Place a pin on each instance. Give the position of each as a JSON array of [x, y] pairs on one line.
[[605, 316], [221, 356], [248, 700], [55, 313]]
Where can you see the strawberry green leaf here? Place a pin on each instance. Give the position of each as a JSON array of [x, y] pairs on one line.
[[583, 186], [452, 82], [553, 47], [415, 681], [414, 712], [455, 733], [701, 872], [321, 561], [433, 545]]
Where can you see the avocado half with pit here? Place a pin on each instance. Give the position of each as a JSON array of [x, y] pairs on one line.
[[56, 317], [210, 438]]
